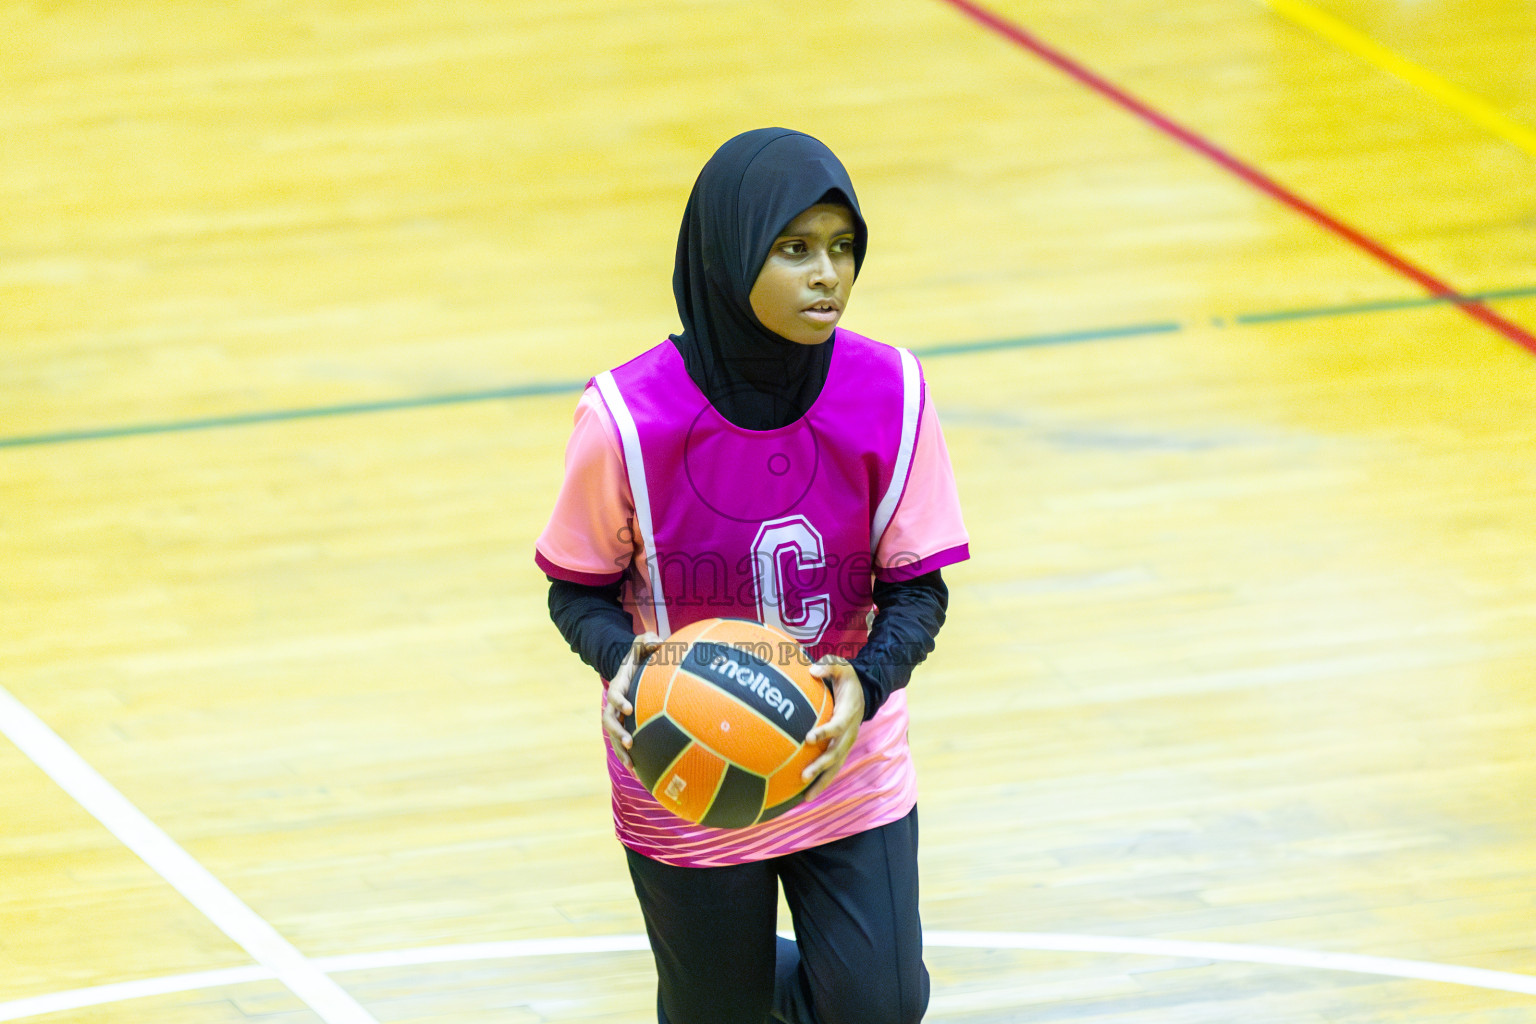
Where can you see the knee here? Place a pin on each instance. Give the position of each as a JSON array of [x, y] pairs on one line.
[[899, 1000]]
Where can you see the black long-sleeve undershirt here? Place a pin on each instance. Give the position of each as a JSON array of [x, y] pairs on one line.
[[908, 616], [593, 621]]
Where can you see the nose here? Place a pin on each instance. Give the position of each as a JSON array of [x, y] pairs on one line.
[[823, 271]]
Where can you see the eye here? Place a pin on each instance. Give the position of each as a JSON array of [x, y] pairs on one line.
[[792, 247], [843, 245]]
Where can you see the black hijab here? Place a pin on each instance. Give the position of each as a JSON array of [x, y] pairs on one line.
[[749, 190]]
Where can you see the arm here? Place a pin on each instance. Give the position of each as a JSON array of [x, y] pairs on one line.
[[908, 618], [583, 551], [910, 614], [925, 534], [598, 628], [593, 622]]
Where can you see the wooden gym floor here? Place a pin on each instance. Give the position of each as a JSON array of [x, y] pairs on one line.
[[1226, 306]]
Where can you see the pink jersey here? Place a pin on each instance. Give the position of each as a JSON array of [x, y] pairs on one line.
[[702, 518]]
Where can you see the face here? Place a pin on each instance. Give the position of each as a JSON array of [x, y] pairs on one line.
[[802, 290]]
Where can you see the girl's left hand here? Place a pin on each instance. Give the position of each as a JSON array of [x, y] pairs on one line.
[[842, 728]]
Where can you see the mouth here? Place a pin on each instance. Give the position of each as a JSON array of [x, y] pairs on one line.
[[826, 311]]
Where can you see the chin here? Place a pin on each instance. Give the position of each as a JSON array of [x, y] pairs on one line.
[[814, 339]]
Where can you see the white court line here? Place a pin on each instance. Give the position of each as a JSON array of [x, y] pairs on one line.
[[205, 892], [1415, 970], [512, 950], [122, 991]]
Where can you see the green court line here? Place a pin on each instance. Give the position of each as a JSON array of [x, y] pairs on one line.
[[282, 415], [572, 387], [1380, 306], [1038, 340]]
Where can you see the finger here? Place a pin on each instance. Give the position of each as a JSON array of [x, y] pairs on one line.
[[615, 703], [611, 718], [830, 759], [614, 727], [618, 691], [616, 731], [825, 733], [834, 756], [822, 782], [620, 739], [835, 728], [620, 683]]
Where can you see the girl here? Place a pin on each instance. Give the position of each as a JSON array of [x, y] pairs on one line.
[[767, 464]]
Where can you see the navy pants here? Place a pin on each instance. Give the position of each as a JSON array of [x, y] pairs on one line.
[[858, 958]]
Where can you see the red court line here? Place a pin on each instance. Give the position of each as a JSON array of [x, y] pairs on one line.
[[1255, 177]]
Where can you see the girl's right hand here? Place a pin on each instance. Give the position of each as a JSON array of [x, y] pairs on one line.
[[616, 700]]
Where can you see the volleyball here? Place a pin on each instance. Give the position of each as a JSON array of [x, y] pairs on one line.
[[721, 712]]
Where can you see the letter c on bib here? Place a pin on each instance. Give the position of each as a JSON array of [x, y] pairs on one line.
[[784, 548]]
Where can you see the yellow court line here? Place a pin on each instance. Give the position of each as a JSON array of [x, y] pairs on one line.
[[1471, 106]]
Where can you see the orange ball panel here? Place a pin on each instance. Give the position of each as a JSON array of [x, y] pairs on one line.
[[649, 695], [821, 700], [700, 709], [785, 782], [688, 787], [730, 631], [691, 632], [713, 717], [767, 643]]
